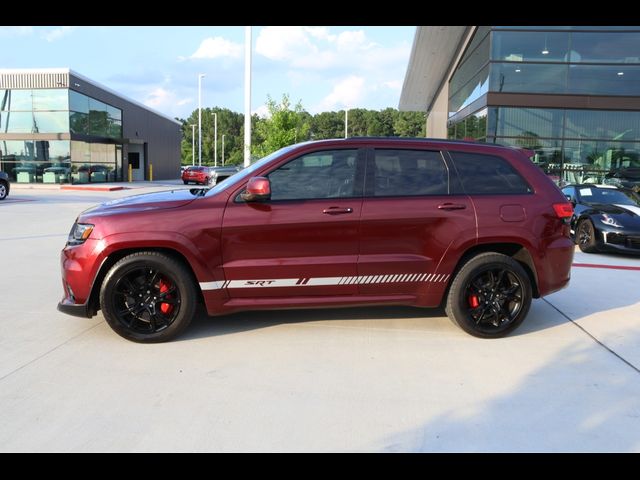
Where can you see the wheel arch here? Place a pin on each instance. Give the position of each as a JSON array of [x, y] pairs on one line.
[[514, 250], [114, 257]]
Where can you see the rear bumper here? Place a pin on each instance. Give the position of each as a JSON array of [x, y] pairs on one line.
[[75, 309]]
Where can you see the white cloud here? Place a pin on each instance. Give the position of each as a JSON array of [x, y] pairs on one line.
[[184, 101], [57, 33], [283, 43], [346, 93], [217, 47], [160, 97], [13, 31], [262, 111], [393, 84]]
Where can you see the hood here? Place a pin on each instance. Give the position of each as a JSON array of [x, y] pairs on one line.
[[148, 201], [632, 210]]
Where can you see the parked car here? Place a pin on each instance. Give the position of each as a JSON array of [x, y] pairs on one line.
[[606, 218], [475, 227], [5, 185], [624, 177], [218, 174], [198, 175]]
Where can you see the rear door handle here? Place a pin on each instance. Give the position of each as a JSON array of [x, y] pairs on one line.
[[452, 206], [336, 210]]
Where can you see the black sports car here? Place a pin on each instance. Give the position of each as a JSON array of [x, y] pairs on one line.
[[605, 218]]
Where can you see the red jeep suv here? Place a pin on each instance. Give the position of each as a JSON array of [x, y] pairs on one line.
[[476, 228]]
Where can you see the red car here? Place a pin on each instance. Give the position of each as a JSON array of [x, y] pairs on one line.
[[474, 227], [199, 175]]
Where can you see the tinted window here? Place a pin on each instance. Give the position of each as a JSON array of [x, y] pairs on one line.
[[404, 173], [327, 174], [488, 174], [569, 192]]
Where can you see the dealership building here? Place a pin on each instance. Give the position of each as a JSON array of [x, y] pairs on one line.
[[568, 94], [57, 126]]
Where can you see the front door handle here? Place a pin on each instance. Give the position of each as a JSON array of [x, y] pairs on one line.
[[451, 206], [337, 210]]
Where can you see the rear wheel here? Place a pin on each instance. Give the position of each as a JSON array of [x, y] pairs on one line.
[[586, 236], [3, 190], [185, 182], [490, 296], [148, 297]]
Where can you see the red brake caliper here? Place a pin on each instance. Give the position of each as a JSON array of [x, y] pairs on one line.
[[473, 301], [165, 308]]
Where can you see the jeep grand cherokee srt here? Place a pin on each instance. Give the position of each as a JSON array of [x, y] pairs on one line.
[[477, 228]]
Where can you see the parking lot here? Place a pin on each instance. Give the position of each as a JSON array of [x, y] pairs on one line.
[[367, 379]]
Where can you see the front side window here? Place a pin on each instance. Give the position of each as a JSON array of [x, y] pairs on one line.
[[488, 175], [326, 174], [404, 173]]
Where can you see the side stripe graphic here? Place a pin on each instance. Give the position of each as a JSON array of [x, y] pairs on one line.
[[323, 281]]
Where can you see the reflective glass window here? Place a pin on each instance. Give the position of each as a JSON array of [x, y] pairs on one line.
[[79, 123], [470, 66], [98, 123], [530, 46], [401, 173], [604, 80], [602, 124], [16, 122], [115, 128], [546, 153], [526, 123], [470, 92], [533, 78], [488, 175], [327, 174], [97, 105], [78, 102], [114, 112], [16, 100], [51, 122], [607, 47], [50, 99], [589, 161]]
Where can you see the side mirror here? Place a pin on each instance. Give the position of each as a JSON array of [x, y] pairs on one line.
[[258, 190], [568, 197]]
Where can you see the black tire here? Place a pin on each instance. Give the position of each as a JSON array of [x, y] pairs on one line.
[[586, 236], [4, 190], [148, 278], [490, 296], [185, 182], [206, 181]]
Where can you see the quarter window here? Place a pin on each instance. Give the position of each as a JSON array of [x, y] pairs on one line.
[[326, 174], [488, 174], [404, 173]]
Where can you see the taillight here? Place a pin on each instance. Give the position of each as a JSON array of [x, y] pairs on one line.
[[563, 210]]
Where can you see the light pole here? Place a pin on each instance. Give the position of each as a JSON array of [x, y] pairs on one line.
[[223, 135], [247, 96], [193, 144], [346, 122], [200, 75], [215, 139]]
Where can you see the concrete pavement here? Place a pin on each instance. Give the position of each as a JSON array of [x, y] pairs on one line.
[[366, 379]]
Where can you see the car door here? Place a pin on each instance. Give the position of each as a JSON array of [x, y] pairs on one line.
[[409, 220], [304, 241]]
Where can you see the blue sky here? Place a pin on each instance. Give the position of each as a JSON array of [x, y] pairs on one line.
[[327, 68]]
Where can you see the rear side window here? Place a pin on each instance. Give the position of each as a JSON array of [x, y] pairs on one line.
[[488, 175], [403, 173]]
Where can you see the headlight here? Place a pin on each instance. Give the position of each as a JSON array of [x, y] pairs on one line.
[[79, 233], [607, 220]]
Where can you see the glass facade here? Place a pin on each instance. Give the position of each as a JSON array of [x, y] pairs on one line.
[[90, 155], [572, 145]]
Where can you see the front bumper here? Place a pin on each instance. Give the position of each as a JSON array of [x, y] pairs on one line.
[[616, 241], [75, 309]]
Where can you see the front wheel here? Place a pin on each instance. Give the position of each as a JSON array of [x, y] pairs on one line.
[[148, 297], [586, 237], [490, 296], [3, 190]]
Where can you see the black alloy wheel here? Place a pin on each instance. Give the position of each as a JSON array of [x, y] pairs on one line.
[[586, 236], [490, 296], [148, 297]]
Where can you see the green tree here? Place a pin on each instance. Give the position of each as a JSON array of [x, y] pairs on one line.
[[283, 127]]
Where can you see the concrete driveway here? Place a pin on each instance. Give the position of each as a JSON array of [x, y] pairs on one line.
[[366, 379]]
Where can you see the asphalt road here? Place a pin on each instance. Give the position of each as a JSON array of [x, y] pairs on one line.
[[365, 379]]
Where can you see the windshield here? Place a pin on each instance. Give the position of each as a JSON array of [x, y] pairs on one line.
[[242, 175], [609, 196]]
